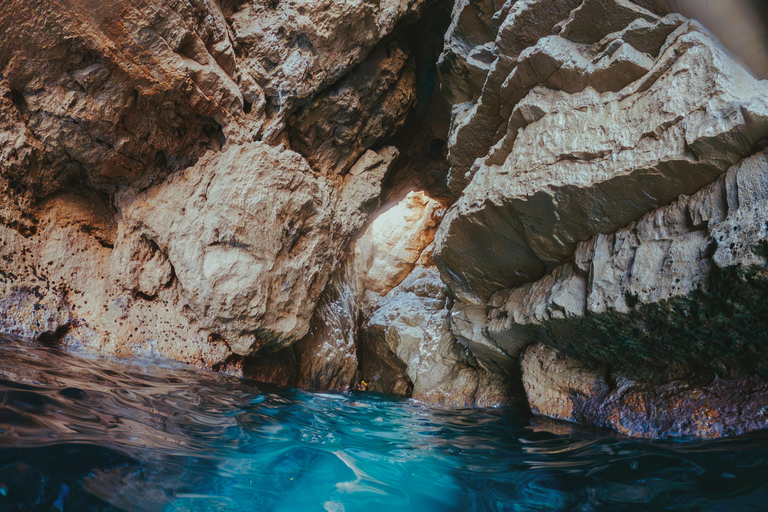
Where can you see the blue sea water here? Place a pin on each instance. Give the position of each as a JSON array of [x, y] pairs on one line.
[[79, 433]]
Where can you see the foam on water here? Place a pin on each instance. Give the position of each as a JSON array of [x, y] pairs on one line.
[[83, 433]]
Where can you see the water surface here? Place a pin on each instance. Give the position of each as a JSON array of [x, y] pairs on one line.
[[79, 433]]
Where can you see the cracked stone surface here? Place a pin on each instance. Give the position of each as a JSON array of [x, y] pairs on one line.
[[270, 189], [576, 163]]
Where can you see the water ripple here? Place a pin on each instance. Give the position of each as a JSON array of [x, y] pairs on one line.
[[79, 433]]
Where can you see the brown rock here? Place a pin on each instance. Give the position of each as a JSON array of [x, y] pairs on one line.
[[116, 91], [253, 235], [360, 112], [561, 388]]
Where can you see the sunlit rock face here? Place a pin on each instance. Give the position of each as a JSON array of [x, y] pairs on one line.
[[609, 167], [390, 248], [150, 201], [252, 235], [405, 331], [271, 189]]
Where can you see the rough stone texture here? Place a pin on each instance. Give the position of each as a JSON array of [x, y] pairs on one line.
[[291, 49], [413, 321], [327, 357], [252, 235], [480, 111], [361, 111], [615, 129], [670, 305], [561, 388], [611, 203], [390, 247], [137, 197], [205, 264], [196, 179], [67, 266], [115, 90], [28, 314], [680, 291]]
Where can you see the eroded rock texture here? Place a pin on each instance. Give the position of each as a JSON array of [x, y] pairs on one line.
[[599, 152], [271, 189], [150, 199]]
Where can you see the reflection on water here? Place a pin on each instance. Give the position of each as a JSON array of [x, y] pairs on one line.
[[87, 434]]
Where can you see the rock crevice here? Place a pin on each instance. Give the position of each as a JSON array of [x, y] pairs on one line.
[[470, 203]]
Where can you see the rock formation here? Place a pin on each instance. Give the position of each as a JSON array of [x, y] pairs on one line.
[[143, 205], [277, 189], [599, 168]]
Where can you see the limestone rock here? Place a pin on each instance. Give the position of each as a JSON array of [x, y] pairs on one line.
[[111, 90], [112, 93], [296, 47], [658, 298], [340, 348], [327, 357], [413, 321], [158, 115], [29, 314], [556, 386], [559, 387], [390, 247], [63, 272], [480, 112], [572, 161], [360, 112], [253, 235]]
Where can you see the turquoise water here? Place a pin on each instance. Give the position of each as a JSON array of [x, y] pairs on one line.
[[87, 434]]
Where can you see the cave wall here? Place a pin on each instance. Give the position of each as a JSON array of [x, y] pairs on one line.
[[471, 203]]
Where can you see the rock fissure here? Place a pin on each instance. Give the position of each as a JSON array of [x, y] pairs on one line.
[[471, 203]]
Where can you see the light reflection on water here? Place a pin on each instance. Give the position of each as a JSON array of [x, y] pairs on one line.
[[81, 433]]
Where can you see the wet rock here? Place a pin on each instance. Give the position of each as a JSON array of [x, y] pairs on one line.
[[561, 388], [327, 357], [28, 314]]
